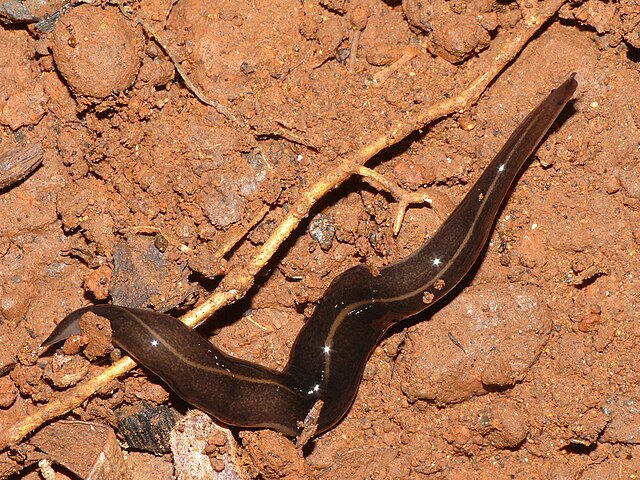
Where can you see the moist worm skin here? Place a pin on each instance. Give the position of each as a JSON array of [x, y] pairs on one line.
[[332, 348]]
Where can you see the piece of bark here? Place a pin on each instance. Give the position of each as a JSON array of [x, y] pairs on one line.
[[146, 427], [17, 164]]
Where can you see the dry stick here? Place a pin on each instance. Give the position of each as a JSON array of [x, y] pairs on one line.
[[409, 53], [242, 280], [355, 43], [195, 89], [231, 241]]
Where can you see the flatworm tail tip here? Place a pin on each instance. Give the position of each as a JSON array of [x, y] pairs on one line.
[[68, 327], [50, 340], [572, 78], [567, 89]]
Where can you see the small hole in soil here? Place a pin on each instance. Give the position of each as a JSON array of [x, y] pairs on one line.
[[580, 449]]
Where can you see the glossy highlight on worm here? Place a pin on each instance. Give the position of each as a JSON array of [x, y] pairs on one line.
[[332, 348]]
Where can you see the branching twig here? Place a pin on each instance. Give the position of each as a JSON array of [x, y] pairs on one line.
[[403, 197], [238, 282]]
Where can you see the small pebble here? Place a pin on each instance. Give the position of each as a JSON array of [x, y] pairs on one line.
[[322, 230]]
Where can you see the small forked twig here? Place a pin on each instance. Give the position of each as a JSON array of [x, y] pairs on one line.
[[403, 197], [238, 282]]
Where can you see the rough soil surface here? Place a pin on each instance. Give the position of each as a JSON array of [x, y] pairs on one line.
[[142, 183]]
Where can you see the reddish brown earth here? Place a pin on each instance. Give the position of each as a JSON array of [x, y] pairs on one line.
[[547, 384]]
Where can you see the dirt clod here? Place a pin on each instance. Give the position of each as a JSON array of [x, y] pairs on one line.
[[96, 51]]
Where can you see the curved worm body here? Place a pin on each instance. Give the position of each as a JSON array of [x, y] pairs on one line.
[[332, 348]]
